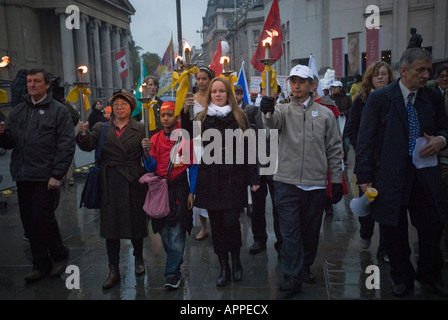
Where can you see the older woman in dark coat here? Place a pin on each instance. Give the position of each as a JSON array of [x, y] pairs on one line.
[[122, 195]]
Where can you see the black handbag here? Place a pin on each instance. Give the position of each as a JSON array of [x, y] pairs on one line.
[[91, 193]]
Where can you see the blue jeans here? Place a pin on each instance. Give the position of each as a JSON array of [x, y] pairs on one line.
[[297, 208], [173, 239]]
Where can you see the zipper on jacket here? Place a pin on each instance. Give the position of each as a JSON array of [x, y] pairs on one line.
[[25, 138], [304, 139]]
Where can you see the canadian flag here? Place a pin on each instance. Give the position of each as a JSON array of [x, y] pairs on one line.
[[122, 64]]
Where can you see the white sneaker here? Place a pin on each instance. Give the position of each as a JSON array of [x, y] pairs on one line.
[[364, 243]]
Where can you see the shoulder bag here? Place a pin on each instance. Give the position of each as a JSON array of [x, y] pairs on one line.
[[91, 194]]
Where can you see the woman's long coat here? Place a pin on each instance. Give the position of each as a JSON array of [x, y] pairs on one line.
[[122, 195]]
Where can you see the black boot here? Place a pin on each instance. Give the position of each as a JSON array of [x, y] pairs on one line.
[[224, 276], [237, 268], [113, 278]]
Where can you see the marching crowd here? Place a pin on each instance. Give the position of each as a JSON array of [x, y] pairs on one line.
[[390, 124]]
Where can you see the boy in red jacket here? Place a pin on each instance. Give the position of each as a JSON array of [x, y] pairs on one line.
[[181, 188]]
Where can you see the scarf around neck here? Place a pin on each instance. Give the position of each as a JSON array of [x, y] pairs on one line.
[[215, 111]]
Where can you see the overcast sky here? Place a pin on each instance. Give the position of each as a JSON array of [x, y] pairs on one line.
[[156, 20]]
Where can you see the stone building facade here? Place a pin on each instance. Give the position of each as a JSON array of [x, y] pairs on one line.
[[310, 25], [45, 34]]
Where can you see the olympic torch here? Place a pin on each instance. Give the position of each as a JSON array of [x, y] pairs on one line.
[[268, 62], [82, 85], [189, 65]]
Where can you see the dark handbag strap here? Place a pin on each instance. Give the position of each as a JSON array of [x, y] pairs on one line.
[[175, 147], [99, 147]]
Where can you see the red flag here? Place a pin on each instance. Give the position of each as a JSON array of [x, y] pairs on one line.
[[216, 65], [273, 23]]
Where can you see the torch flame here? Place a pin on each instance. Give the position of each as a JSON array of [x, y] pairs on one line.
[[225, 59], [84, 69], [271, 35], [186, 45], [179, 58], [5, 62]]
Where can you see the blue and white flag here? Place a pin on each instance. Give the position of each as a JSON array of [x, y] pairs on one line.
[[242, 81]]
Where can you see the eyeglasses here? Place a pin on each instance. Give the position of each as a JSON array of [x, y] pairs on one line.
[[120, 106]]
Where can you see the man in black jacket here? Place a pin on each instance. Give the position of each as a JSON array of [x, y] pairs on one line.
[[40, 132], [393, 119]]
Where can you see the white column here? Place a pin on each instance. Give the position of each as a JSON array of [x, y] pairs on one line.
[[106, 60], [440, 30], [97, 53], [82, 50], [125, 39], [401, 30], [115, 38], [68, 51]]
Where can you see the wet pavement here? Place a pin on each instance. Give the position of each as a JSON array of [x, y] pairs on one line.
[[340, 265]]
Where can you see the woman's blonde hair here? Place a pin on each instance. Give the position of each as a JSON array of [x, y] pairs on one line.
[[367, 85], [238, 113]]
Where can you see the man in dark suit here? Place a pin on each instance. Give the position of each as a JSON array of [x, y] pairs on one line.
[[384, 161]]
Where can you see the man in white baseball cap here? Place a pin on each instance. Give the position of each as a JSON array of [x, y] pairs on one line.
[[302, 72], [301, 178]]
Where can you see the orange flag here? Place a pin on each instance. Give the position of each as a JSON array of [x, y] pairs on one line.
[[273, 23], [216, 65]]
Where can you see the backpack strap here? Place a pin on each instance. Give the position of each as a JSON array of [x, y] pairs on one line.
[[99, 147]]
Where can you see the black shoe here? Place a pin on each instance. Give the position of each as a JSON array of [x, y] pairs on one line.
[[36, 275], [307, 276], [437, 287], [237, 268], [58, 267], [172, 283], [291, 285], [257, 247], [401, 290]]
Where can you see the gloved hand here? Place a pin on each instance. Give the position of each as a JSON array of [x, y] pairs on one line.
[[267, 105], [337, 192]]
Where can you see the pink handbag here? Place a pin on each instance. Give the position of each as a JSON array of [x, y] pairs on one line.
[[157, 204]]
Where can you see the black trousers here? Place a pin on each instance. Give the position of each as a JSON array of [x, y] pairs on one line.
[[113, 250], [226, 231], [37, 207], [259, 212], [429, 230]]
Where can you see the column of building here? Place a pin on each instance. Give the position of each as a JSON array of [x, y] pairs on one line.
[[68, 50], [116, 47], [440, 48], [106, 60], [82, 46], [400, 27], [125, 40], [97, 54]]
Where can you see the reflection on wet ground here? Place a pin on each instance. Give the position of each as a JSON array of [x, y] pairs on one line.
[[340, 264]]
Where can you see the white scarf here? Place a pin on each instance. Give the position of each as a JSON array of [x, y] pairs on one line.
[[215, 111]]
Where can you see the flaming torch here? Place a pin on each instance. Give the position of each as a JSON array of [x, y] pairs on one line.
[[5, 62], [225, 61], [268, 62], [82, 84], [189, 65]]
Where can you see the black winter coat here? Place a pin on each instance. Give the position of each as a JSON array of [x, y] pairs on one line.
[[42, 138], [223, 186], [382, 153]]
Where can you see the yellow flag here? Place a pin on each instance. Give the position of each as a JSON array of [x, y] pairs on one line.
[[184, 85], [73, 96], [151, 117]]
